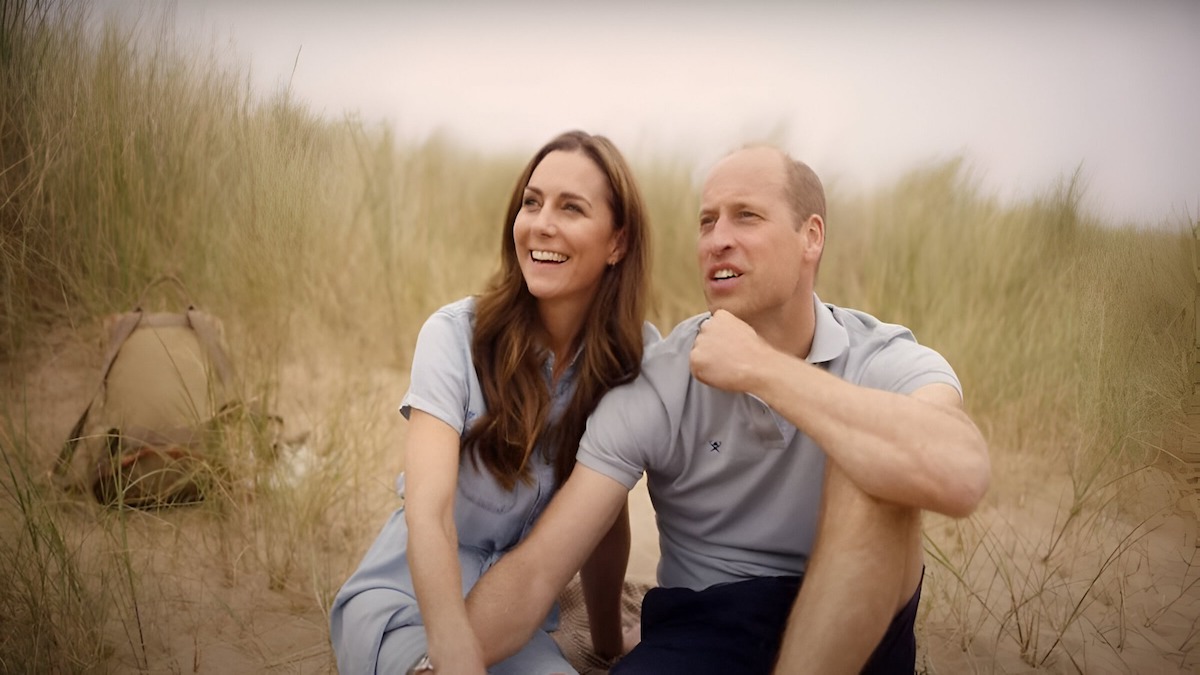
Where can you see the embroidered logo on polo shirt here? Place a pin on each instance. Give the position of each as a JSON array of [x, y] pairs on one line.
[[714, 446]]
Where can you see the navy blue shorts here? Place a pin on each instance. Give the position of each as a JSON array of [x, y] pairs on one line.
[[738, 627]]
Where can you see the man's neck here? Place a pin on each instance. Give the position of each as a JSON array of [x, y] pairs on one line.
[[790, 328]]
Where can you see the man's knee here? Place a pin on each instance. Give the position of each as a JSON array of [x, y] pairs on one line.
[[853, 523], [847, 508]]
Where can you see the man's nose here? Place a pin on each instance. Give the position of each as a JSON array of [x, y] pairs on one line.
[[717, 238]]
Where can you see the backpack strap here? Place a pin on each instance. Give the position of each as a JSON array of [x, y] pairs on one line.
[[206, 331], [186, 437], [202, 324], [120, 332]]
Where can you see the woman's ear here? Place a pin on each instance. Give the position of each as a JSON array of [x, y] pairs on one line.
[[617, 249]]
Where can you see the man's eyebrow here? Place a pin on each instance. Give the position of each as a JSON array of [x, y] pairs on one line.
[[739, 205]]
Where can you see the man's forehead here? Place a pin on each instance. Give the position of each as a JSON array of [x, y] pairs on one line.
[[747, 172]]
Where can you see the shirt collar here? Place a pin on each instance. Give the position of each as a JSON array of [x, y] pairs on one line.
[[830, 339], [548, 363]]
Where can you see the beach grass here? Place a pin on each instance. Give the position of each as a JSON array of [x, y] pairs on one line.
[[324, 244]]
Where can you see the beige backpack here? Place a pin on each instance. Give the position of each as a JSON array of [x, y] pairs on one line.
[[147, 435]]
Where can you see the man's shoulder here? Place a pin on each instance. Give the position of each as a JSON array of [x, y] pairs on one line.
[[632, 426], [887, 355], [666, 368], [679, 340], [865, 330], [671, 354]]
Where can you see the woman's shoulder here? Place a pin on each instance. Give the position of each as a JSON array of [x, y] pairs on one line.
[[452, 323], [460, 313], [463, 308]]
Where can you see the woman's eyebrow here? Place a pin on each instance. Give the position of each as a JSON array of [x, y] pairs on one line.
[[572, 195]]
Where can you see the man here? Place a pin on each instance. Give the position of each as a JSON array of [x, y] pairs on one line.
[[783, 439]]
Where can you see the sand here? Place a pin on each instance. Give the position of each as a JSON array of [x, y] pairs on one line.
[[246, 589]]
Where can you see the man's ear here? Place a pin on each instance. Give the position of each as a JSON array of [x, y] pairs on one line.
[[813, 232]]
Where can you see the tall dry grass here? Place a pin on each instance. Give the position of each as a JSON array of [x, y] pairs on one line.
[[324, 244], [1072, 338]]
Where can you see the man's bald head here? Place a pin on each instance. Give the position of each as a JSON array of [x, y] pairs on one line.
[[802, 188]]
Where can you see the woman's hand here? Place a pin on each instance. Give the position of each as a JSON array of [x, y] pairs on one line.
[[630, 637], [462, 660]]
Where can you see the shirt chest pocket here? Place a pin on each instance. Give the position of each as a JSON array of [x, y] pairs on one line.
[[483, 492], [486, 515]]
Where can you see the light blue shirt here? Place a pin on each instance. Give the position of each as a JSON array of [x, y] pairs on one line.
[[444, 384], [375, 623], [736, 488]]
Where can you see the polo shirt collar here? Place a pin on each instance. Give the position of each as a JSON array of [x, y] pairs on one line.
[[830, 339]]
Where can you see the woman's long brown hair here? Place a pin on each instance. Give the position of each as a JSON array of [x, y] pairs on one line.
[[509, 362]]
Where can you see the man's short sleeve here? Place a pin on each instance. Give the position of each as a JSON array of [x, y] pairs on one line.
[[628, 432], [440, 370], [903, 366]]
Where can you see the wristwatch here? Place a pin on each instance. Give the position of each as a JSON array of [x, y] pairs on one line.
[[424, 665]]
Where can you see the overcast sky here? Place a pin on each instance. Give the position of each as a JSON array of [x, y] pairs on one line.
[[1026, 90]]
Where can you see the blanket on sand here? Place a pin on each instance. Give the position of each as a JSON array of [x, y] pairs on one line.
[[573, 637]]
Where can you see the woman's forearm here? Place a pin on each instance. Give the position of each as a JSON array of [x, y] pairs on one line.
[[437, 580], [431, 465]]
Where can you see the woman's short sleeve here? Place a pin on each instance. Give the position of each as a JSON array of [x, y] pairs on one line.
[[442, 368]]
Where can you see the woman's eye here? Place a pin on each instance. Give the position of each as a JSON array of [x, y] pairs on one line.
[[529, 202], [572, 207]]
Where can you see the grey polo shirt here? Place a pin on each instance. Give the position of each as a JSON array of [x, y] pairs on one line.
[[736, 488]]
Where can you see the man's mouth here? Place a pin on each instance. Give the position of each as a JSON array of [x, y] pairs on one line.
[[725, 274]]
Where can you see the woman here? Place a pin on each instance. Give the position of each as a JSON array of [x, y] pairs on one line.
[[502, 385]]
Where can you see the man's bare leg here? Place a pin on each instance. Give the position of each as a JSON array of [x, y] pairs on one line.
[[865, 567]]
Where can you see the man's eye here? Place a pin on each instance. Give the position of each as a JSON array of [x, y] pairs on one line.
[[747, 214]]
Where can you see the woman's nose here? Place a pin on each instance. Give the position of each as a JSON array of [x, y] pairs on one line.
[[545, 224]]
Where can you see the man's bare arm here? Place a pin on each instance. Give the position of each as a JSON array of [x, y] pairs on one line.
[[512, 599], [920, 450]]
